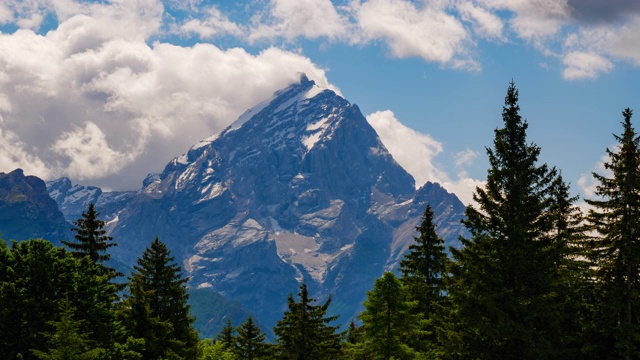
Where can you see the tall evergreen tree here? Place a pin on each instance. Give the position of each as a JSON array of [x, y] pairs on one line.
[[505, 278], [615, 252], [227, 337], [156, 308], [249, 344], [305, 333], [92, 240], [389, 320], [424, 269]]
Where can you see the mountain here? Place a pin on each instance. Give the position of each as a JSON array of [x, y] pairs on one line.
[[27, 211], [73, 200], [298, 188]]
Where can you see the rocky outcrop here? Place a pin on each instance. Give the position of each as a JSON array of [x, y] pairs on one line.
[[27, 211]]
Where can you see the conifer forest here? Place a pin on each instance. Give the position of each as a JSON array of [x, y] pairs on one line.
[[536, 278]]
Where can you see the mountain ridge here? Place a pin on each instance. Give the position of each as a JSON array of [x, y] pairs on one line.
[[299, 188]]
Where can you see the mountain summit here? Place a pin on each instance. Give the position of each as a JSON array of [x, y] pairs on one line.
[[298, 188]]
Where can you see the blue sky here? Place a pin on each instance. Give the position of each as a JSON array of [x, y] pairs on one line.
[[107, 91]]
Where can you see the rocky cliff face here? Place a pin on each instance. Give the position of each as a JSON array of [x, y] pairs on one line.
[[299, 188], [73, 200], [27, 211]]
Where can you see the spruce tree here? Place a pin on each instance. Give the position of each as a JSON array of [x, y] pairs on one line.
[[249, 344], [615, 252], [305, 333], [389, 320], [505, 290], [424, 269], [227, 337], [92, 240], [156, 308]]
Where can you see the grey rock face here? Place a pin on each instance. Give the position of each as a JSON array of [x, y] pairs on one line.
[[299, 188], [27, 211]]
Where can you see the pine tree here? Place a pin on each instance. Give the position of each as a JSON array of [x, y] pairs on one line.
[[424, 269], [305, 331], [92, 240], [389, 320], [569, 241], [156, 308], [227, 337], [616, 251], [249, 344], [505, 290]]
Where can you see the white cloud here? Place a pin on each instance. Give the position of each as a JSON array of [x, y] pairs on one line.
[[485, 23], [416, 152], [6, 15], [412, 150], [465, 157], [428, 32], [625, 44], [14, 154], [582, 65], [587, 183], [291, 19], [27, 14], [214, 24], [136, 105], [533, 20], [89, 154]]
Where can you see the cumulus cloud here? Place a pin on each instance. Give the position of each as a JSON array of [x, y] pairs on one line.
[[106, 105], [624, 42], [89, 154], [291, 19], [429, 32], [581, 65], [14, 154], [587, 183], [416, 153], [532, 18], [407, 146], [485, 23], [214, 24]]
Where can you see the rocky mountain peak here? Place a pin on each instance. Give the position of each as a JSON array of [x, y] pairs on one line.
[[298, 188]]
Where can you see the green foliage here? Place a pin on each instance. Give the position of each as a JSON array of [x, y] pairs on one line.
[[424, 271], [67, 342], [36, 281], [305, 331], [249, 343], [156, 308], [506, 281], [615, 251], [227, 337], [389, 320], [213, 350], [92, 241]]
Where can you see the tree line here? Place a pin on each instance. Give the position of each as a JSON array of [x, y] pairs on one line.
[[537, 278]]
